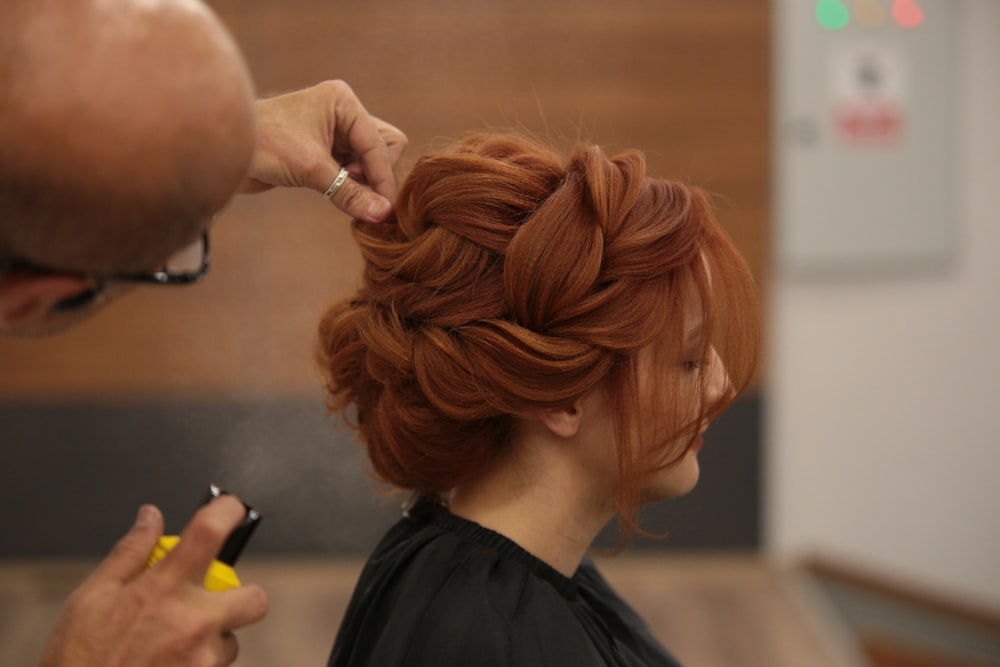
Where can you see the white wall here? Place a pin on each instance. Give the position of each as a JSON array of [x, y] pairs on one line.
[[884, 408]]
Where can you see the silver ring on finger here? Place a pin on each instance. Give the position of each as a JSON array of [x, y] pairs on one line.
[[337, 182]]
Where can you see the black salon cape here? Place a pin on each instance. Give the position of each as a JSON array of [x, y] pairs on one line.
[[441, 591]]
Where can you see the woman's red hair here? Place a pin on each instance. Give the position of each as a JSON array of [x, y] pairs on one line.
[[513, 280]]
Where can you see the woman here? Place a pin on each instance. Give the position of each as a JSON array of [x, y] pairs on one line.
[[538, 346]]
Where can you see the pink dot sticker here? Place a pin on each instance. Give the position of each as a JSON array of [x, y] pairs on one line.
[[907, 13]]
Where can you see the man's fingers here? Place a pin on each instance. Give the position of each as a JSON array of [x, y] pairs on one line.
[[377, 162], [230, 648], [378, 168], [242, 606], [394, 143], [360, 201], [129, 556], [219, 650], [375, 142], [357, 132], [201, 540], [394, 139]]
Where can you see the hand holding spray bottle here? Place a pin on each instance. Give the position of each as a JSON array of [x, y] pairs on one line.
[[220, 576]]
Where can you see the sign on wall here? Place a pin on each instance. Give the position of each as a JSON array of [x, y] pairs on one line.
[[865, 135]]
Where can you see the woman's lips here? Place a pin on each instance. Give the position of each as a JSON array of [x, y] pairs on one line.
[[699, 441]]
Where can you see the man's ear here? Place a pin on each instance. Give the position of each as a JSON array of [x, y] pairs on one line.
[[28, 300], [563, 422]]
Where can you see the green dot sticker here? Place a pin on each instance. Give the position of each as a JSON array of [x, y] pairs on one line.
[[832, 14]]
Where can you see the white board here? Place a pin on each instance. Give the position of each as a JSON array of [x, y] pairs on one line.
[[865, 138]]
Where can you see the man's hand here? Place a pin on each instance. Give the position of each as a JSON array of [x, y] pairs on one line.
[[125, 615], [305, 137]]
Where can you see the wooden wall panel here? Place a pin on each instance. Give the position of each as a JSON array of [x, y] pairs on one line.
[[687, 80]]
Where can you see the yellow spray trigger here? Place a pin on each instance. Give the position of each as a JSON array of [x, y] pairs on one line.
[[220, 577]]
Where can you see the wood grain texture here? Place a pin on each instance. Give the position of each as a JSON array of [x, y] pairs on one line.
[[685, 80]]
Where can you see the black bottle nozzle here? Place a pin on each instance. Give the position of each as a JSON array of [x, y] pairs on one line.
[[233, 547]]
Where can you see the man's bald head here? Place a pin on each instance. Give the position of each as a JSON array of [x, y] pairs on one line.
[[124, 124]]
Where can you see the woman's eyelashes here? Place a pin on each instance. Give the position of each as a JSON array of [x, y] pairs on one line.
[[692, 366]]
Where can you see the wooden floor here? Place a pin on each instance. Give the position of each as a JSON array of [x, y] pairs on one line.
[[710, 610]]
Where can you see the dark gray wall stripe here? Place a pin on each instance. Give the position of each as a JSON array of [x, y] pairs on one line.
[[72, 476]]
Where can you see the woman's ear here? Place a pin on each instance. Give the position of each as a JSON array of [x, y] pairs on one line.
[[563, 422], [28, 300]]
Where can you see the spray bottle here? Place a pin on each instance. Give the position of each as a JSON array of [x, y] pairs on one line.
[[220, 576]]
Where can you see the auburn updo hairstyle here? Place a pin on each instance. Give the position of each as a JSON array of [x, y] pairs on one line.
[[514, 279]]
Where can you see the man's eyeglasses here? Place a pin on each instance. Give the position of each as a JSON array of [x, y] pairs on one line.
[[187, 266]]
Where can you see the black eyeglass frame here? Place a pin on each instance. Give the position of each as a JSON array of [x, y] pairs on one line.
[[162, 277]]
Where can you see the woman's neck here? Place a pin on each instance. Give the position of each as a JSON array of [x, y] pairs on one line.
[[545, 502]]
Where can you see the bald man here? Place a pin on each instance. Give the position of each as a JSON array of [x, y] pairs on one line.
[[125, 125]]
